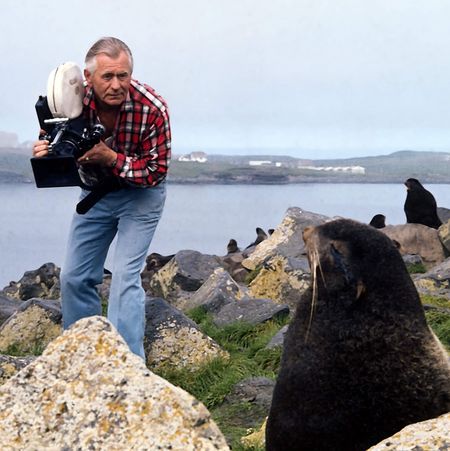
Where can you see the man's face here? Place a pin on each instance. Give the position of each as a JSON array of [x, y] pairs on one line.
[[110, 80]]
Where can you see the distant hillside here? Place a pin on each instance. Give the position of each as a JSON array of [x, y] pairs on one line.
[[15, 165], [428, 167]]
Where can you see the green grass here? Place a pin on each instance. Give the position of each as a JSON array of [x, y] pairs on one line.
[[252, 275], [439, 320], [436, 301], [16, 350], [229, 418], [213, 381], [440, 323], [245, 343], [416, 268]]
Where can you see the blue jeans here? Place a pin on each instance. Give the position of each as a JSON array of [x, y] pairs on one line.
[[133, 215]]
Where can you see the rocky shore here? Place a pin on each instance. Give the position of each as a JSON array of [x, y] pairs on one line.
[[83, 389]]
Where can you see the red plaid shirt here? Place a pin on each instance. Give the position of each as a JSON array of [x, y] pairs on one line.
[[141, 135]]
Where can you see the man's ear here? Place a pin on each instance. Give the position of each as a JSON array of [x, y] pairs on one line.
[[87, 76]]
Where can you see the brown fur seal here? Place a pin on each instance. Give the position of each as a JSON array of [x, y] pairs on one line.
[[359, 360], [420, 205], [260, 237], [232, 247], [378, 221]]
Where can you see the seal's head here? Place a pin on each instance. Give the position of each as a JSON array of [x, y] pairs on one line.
[[352, 263]]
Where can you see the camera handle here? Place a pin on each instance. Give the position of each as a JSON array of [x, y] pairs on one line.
[[56, 121]]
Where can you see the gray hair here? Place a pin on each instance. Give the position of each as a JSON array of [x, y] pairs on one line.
[[109, 46]]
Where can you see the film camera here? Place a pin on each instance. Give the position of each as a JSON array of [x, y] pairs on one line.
[[59, 115]]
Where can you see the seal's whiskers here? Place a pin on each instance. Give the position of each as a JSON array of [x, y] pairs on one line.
[[315, 263]]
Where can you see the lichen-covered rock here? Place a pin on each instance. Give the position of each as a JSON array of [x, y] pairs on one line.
[[184, 274], [35, 324], [88, 391], [40, 283], [287, 239], [418, 239], [251, 311], [425, 436], [282, 279], [173, 340], [10, 365], [256, 439], [444, 235], [436, 281], [219, 289], [257, 390]]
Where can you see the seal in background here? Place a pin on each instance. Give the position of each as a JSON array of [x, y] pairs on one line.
[[420, 205]]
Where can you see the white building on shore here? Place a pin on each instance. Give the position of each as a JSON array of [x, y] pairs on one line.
[[348, 169], [197, 157]]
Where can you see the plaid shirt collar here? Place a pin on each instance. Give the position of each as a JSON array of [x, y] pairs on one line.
[[89, 100]]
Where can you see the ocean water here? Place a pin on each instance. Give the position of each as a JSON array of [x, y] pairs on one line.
[[34, 222]]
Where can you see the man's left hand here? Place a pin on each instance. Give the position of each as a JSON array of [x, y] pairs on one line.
[[100, 154]]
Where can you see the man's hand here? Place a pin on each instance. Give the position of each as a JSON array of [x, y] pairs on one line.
[[40, 148], [100, 154]]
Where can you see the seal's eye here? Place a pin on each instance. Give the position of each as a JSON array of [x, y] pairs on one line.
[[337, 256], [340, 263]]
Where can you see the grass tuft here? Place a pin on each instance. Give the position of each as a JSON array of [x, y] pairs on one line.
[[248, 358]]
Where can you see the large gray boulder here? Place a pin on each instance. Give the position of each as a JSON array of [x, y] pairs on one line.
[[8, 307], [173, 340], [278, 339], [251, 311], [418, 239], [184, 274], [443, 214], [218, 290], [39, 283], [88, 391], [287, 238]]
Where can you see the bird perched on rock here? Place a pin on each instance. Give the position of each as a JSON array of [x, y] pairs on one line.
[[420, 205]]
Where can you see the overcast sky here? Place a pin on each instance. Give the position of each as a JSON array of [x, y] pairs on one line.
[[307, 78]]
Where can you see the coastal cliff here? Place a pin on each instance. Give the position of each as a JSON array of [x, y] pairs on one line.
[[429, 167]]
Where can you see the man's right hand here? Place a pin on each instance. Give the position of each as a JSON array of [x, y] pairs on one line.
[[40, 148]]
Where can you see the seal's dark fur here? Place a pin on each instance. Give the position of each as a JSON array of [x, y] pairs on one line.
[[378, 221], [359, 361], [420, 205]]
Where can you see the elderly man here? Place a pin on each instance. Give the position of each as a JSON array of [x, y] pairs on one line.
[[136, 149]]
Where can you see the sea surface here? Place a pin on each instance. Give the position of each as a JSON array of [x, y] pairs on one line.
[[34, 222]]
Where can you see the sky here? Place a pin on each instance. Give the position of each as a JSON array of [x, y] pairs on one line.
[[306, 78]]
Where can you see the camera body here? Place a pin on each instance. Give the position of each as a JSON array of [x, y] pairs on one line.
[[67, 137], [69, 140], [68, 132]]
